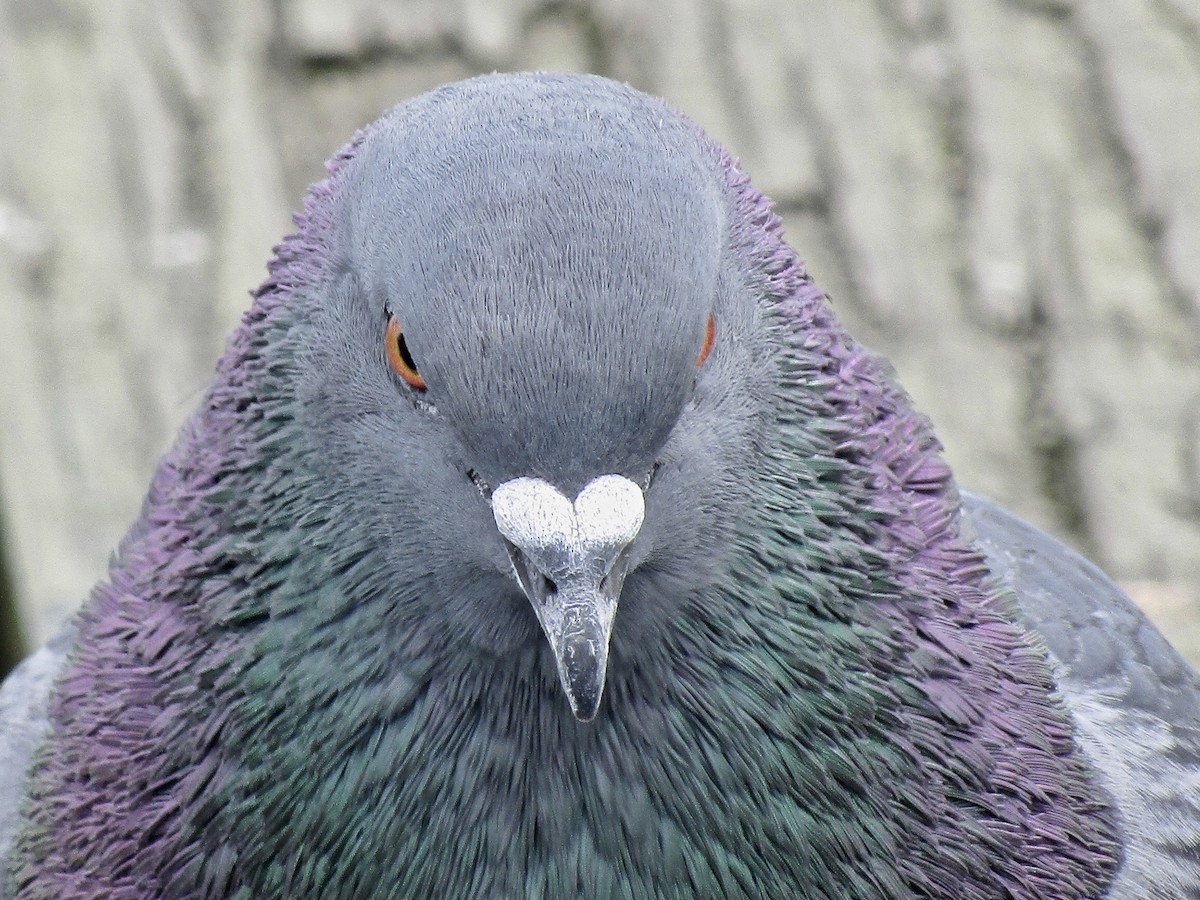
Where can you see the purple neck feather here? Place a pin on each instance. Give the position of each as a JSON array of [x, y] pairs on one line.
[[990, 686], [105, 821]]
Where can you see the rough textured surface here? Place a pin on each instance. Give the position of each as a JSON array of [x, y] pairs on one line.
[[1001, 197]]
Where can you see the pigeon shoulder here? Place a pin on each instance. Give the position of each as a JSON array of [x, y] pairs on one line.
[[24, 704], [1134, 700]]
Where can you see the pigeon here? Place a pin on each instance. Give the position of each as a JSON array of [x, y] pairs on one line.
[[544, 534]]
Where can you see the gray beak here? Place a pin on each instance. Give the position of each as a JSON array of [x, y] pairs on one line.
[[568, 559]]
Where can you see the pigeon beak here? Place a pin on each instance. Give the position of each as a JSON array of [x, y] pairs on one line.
[[570, 561], [577, 618]]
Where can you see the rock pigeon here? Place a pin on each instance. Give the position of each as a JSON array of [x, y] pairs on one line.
[[545, 535]]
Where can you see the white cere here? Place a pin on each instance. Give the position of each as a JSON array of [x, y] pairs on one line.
[[561, 537]]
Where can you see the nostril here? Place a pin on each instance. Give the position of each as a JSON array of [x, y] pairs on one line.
[[485, 489], [649, 477], [549, 585]]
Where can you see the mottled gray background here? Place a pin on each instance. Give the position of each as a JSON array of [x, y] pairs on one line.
[[1002, 196]]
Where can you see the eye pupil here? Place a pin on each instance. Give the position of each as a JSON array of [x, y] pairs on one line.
[[402, 347], [400, 357]]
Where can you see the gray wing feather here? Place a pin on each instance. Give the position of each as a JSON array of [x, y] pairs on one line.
[[1135, 701], [24, 701]]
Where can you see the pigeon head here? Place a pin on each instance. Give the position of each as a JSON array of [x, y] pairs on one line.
[[533, 276]]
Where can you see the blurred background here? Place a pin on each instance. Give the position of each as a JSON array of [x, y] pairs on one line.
[[1002, 196]]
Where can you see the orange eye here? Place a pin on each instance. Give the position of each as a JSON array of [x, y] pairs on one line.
[[400, 358], [710, 335]]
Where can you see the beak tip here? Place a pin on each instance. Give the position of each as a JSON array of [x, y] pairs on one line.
[[584, 686], [584, 717], [585, 707]]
